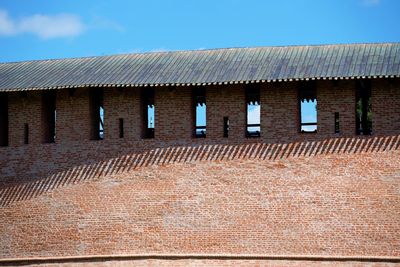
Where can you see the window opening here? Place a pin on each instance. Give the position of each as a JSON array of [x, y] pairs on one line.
[[308, 107], [253, 127], [363, 107], [3, 119], [49, 116], [97, 113], [200, 112], [149, 112]]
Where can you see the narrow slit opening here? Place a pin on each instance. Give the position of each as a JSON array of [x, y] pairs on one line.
[[226, 126], [337, 123], [121, 128], [26, 133]]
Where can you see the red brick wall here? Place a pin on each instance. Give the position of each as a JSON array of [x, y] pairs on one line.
[[122, 103], [73, 116], [174, 114], [386, 107], [334, 97], [25, 109], [226, 101], [337, 197], [284, 193], [279, 112]]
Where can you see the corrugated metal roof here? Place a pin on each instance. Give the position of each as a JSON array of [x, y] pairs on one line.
[[218, 66]]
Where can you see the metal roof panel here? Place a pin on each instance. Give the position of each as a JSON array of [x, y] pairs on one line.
[[206, 66]]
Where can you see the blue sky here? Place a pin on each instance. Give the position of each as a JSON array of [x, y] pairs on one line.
[[70, 28]]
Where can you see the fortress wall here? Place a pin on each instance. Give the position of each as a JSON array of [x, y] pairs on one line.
[[283, 193]]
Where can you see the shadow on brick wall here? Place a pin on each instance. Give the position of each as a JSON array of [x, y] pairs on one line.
[[92, 168]]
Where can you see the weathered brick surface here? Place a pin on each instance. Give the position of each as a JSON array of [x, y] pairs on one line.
[[284, 193], [236, 200], [174, 114], [386, 107], [223, 101], [336, 97], [279, 113], [73, 116], [21, 110], [125, 104]]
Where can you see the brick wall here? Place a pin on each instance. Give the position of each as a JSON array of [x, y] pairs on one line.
[[224, 101], [25, 109], [174, 114], [279, 113], [333, 197], [123, 103], [386, 107], [284, 193], [73, 116], [334, 97]]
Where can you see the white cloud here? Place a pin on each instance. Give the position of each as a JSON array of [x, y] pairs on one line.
[[7, 27], [163, 49], [63, 25], [43, 26], [154, 50], [160, 49], [99, 22], [370, 3]]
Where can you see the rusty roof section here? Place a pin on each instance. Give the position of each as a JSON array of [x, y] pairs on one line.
[[205, 67]]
